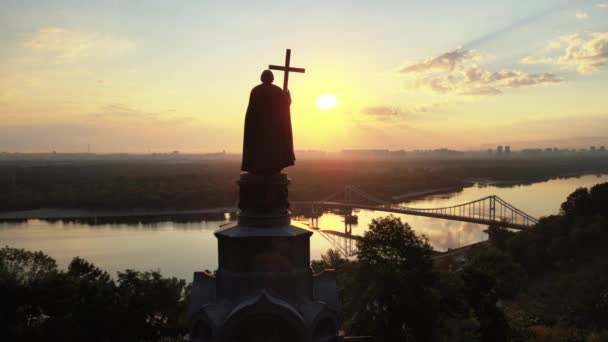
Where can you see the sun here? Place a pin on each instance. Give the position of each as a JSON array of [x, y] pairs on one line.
[[326, 101]]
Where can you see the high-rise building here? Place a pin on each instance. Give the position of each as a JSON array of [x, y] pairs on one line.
[[499, 150], [507, 149]]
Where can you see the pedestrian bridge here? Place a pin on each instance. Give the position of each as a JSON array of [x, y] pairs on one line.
[[490, 210]]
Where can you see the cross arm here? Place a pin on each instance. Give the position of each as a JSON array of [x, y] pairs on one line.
[[290, 69]]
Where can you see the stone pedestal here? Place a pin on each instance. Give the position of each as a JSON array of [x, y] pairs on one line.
[[264, 289]]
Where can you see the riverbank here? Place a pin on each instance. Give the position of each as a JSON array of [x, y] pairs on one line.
[[55, 214], [469, 182], [412, 195], [161, 186], [220, 212], [489, 181]]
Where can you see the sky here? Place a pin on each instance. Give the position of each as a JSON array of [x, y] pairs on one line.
[[158, 76]]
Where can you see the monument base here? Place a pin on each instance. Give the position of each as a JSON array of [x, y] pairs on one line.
[[264, 288]]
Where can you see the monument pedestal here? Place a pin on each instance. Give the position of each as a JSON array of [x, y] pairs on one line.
[[264, 289]]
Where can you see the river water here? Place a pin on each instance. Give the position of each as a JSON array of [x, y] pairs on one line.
[[178, 249]]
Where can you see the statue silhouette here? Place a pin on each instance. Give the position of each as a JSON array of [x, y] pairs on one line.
[[268, 142]]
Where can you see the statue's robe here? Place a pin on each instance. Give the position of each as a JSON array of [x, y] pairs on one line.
[[268, 142]]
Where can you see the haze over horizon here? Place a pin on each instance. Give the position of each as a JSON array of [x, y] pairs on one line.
[[157, 76]]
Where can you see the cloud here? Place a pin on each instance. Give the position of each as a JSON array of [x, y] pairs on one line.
[[124, 112], [587, 53], [581, 15], [384, 112], [64, 46], [118, 110], [446, 61], [602, 5], [457, 72]]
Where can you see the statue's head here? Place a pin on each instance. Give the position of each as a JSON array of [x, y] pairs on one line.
[[267, 76]]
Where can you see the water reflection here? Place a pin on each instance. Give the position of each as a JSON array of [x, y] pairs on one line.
[[537, 199], [442, 234], [178, 249]]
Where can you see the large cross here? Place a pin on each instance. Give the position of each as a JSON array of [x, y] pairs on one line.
[[286, 68]]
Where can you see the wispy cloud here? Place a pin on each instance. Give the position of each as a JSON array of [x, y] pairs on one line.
[[581, 15], [117, 110], [602, 5], [385, 112], [587, 53], [123, 112], [447, 61], [532, 19], [62, 45], [457, 72]]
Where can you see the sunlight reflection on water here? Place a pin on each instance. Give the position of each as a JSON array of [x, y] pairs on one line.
[[178, 249]]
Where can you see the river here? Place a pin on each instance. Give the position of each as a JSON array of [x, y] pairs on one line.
[[178, 249]]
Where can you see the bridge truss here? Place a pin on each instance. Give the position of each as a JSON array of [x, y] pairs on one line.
[[490, 210]]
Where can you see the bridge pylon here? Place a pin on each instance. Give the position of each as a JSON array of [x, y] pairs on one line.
[[492, 208]]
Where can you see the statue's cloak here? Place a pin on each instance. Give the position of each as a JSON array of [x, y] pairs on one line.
[[268, 142]]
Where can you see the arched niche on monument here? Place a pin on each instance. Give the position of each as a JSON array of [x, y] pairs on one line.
[[264, 318]]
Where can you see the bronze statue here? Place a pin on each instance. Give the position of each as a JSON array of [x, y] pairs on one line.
[[268, 143]]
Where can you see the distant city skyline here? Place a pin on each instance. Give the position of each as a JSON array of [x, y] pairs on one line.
[[140, 76], [497, 149]]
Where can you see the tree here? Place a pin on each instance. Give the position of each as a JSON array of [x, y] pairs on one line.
[[152, 306], [21, 275], [394, 284], [489, 276], [391, 243], [25, 266], [499, 236], [40, 302], [332, 259], [89, 302], [577, 203], [599, 199]]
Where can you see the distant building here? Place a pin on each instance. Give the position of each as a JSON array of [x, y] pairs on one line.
[[592, 149], [499, 150], [507, 150], [366, 153], [532, 151], [490, 151], [438, 153], [602, 149]]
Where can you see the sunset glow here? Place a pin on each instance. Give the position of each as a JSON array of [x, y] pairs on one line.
[[507, 77], [326, 101]]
